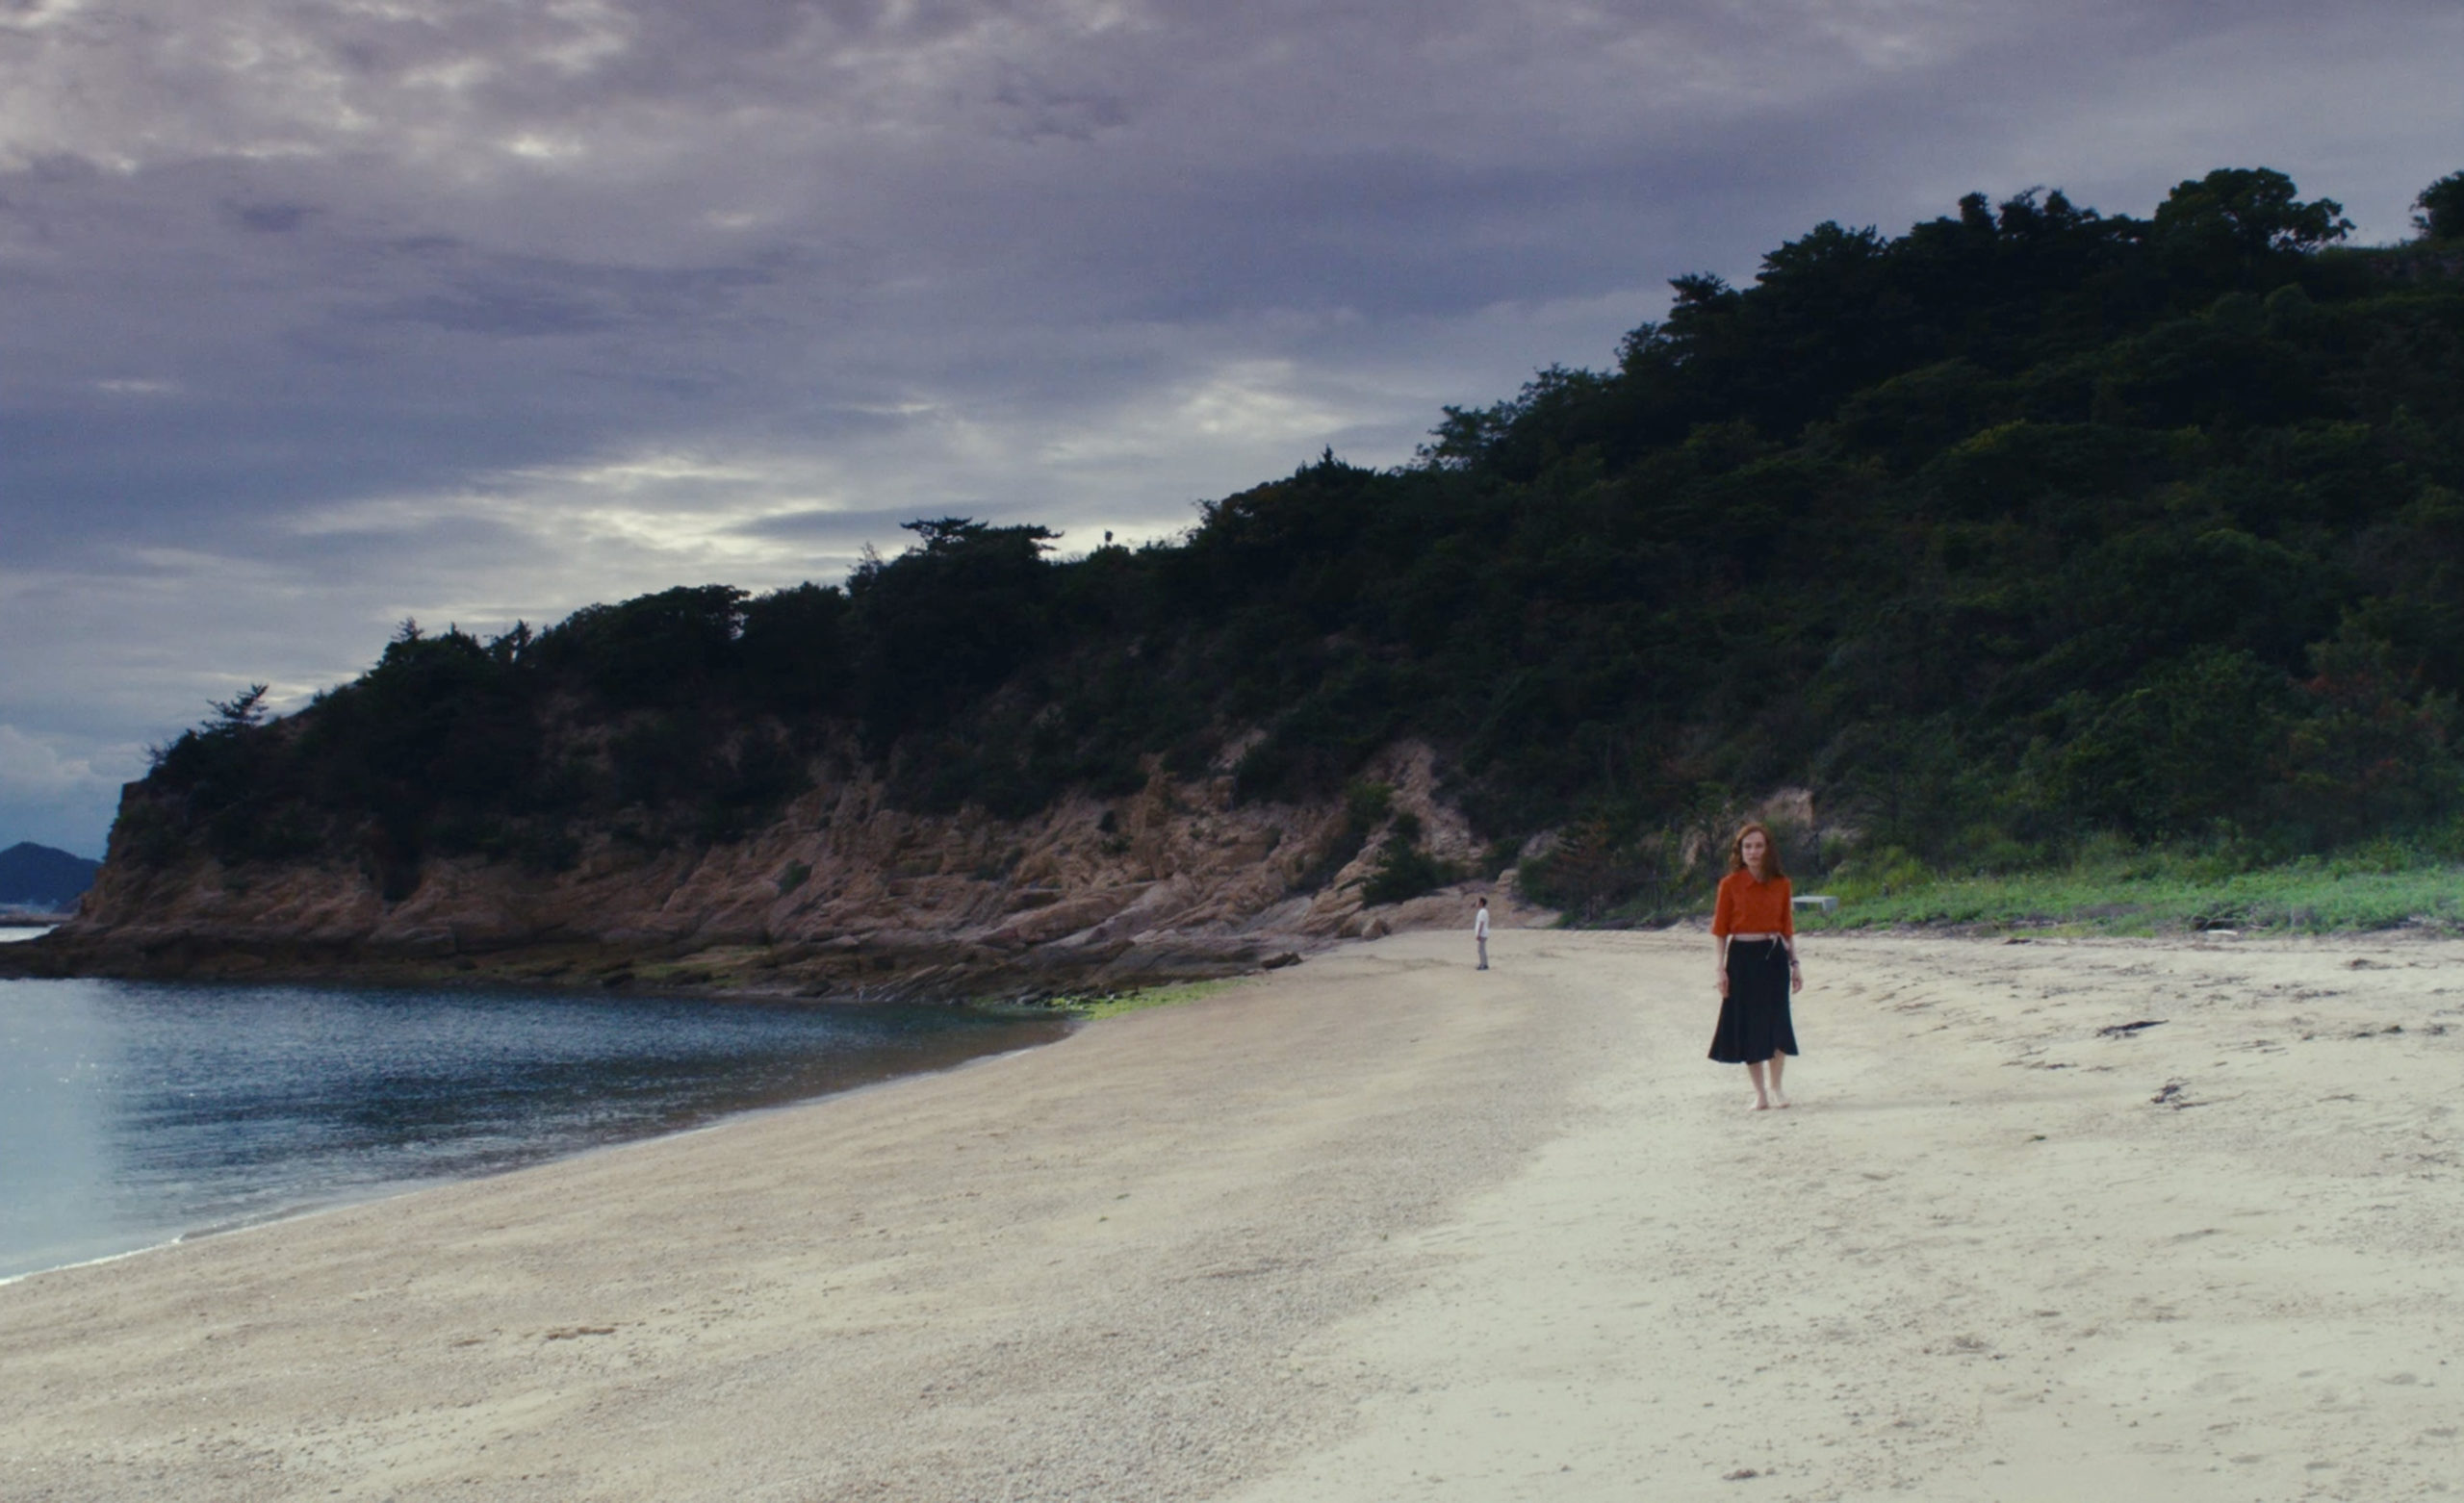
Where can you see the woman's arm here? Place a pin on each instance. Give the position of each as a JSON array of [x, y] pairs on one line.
[[1723, 941], [1788, 933]]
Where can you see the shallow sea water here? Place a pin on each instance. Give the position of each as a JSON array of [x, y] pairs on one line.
[[133, 1113]]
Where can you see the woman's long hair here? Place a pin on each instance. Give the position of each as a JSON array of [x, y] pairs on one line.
[[1771, 867]]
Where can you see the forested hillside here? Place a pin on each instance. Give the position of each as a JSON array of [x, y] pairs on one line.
[[2029, 523]]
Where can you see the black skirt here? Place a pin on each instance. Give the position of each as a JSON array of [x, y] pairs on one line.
[[1753, 1016]]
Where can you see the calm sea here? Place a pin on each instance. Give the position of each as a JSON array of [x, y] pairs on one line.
[[132, 1113]]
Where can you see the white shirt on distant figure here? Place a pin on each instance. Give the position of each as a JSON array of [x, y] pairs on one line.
[[1480, 933]]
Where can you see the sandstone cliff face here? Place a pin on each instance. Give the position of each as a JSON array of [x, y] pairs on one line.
[[843, 897]]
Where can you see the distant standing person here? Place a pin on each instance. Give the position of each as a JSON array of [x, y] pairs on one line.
[[1755, 923], [1480, 933]]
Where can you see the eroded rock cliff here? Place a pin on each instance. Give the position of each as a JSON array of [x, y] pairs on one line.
[[843, 897]]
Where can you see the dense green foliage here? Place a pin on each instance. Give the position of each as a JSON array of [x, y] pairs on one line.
[[2107, 886], [2029, 523], [2441, 209]]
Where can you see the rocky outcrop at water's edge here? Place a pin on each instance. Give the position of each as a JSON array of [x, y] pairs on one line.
[[843, 897]]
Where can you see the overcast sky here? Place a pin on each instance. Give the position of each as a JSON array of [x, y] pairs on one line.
[[320, 314]]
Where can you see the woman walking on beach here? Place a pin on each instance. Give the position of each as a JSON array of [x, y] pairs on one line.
[[1755, 925]]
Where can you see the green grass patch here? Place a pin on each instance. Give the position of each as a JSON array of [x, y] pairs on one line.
[[1115, 1004], [2153, 892]]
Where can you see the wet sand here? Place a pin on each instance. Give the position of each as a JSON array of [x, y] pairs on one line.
[[1380, 1227]]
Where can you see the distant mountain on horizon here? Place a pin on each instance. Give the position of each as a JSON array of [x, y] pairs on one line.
[[42, 876]]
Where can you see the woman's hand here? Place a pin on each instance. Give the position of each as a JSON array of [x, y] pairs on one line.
[[1723, 983], [1796, 977]]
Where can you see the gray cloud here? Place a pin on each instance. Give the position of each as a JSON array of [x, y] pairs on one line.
[[320, 315]]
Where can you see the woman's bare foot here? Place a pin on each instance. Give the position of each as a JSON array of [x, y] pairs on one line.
[[1779, 1099], [1760, 1105]]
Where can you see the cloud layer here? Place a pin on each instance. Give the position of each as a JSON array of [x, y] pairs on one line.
[[322, 312]]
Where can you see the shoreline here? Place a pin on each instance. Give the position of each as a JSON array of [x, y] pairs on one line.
[[1382, 1228], [930, 973], [234, 1185], [931, 968], [956, 976], [402, 1189]]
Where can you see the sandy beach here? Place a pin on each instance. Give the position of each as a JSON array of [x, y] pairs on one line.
[[1379, 1226]]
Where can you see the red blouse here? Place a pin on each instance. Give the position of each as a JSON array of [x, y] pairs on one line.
[[1748, 906]]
